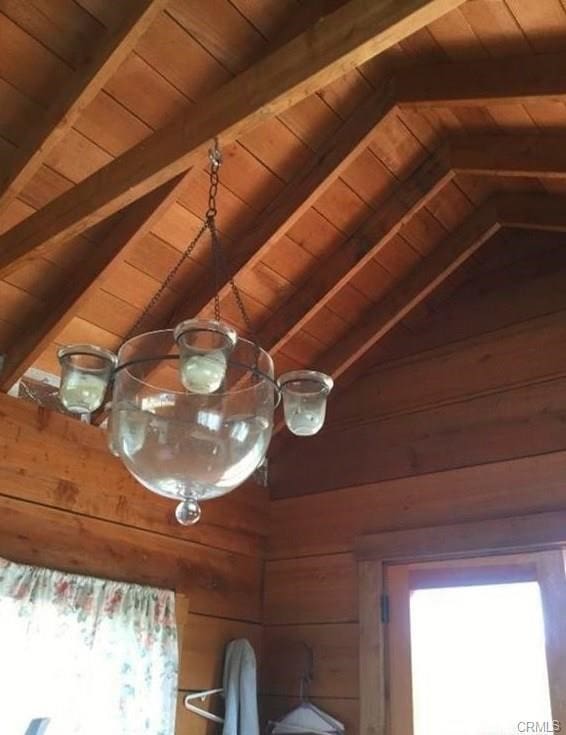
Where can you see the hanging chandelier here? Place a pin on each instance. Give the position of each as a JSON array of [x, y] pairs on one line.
[[192, 408]]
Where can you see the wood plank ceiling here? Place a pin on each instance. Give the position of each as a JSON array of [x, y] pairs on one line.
[[339, 214]]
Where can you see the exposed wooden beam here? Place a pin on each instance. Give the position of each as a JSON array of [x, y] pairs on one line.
[[74, 97], [532, 211], [425, 278], [37, 333], [510, 155], [490, 155], [295, 199], [357, 31], [381, 227], [495, 82]]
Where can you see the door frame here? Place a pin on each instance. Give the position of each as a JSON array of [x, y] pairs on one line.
[[519, 534]]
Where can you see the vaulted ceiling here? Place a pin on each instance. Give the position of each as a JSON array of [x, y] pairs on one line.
[[355, 179]]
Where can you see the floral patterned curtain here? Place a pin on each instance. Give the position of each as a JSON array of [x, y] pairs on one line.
[[94, 656]]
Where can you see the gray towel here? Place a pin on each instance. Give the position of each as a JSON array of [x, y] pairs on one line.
[[240, 689]]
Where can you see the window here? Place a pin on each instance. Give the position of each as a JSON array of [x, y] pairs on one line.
[[476, 646], [91, 655], [478, 659]]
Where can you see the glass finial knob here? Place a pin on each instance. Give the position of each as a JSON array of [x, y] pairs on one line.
[[188, 512]]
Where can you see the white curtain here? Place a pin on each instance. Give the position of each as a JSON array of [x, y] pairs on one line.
[[96, 657]]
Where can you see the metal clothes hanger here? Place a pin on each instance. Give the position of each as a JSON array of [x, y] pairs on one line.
[[321, 718], [203, 712]]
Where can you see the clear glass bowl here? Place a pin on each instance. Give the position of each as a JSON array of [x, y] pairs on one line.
[[186, 445]]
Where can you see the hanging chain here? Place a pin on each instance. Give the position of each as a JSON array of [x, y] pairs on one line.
[[170, 276], [220, 266], [215, 161], [219, 263]]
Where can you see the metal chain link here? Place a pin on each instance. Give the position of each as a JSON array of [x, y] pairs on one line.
[[219, 263]]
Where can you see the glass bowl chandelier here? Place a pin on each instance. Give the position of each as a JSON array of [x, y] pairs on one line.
[[192, 408]]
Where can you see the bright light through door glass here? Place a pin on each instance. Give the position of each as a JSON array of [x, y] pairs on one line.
[[478, 659]]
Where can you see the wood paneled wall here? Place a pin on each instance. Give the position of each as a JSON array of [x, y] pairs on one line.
[[461, 419], [479, 378], [66, 503]]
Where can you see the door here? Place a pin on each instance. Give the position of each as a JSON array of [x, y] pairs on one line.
[[477, 646]]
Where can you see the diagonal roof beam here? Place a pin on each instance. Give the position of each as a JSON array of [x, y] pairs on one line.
[[357, 31], [295, 199], [376, 232], [456, 249], [37, 333], [493, 82], [527, 211], [513, 210], [490, 155], [84, 85]]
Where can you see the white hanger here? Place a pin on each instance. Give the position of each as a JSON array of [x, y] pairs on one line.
[[202, 712], [307, 717]]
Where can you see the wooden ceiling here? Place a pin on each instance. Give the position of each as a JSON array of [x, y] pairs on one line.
[[356, 178]]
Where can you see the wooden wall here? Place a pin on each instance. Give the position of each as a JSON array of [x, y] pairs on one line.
[[477, 376], [66, 503], [461, 418]]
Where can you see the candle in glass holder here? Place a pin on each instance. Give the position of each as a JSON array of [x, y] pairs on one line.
[[203, 373], [82, 392], [305, 393]]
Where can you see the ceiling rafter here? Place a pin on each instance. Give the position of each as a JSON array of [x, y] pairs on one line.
[[512, 80], [506, 210], [73, 98], [487, 155], [491, 155], [354, 33], [374, 234], [545, 212], [37, 333], [455, 250]]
